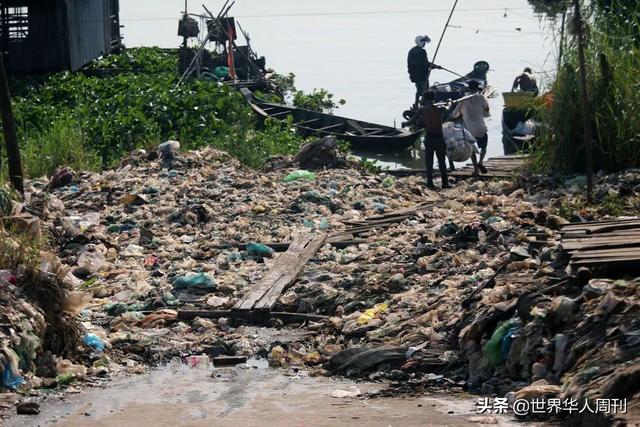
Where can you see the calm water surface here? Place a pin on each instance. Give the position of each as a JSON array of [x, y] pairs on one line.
[[357, 49]]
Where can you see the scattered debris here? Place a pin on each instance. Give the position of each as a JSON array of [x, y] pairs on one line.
[[467, 289]]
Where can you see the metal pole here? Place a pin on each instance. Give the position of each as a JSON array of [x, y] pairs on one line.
[[586, 107], [9, 128]]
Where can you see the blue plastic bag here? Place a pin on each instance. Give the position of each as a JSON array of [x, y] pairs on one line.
[[93, 341], [9, 379]]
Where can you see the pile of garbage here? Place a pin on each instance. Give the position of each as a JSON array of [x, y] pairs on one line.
[[40, 333], [471, 292]]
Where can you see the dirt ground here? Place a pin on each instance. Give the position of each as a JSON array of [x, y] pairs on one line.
[[248, 396]]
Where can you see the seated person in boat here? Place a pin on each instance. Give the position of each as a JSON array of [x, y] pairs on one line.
[[432, 117], [526, 82], [473, 109]]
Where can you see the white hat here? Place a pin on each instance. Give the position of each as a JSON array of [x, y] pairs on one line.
[[421, 40]]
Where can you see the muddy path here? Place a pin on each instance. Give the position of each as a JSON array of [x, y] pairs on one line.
[[248, 395]]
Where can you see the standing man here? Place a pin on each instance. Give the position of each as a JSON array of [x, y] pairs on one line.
[[526, 82], [419, 66], [432, 118], [473, 109]]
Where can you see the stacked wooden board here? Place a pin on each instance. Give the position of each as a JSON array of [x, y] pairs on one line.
[[602, 243], [504, 167]]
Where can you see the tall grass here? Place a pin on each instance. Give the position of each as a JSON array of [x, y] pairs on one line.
[[613, 63], [62, 144]]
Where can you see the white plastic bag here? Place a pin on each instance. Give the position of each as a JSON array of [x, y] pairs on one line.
[[460, 143]]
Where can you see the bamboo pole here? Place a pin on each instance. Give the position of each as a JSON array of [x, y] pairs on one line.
[[9, 128], [444, 31], [584, 95]]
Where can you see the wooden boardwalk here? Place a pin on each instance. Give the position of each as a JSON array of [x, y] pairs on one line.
[[503, 167], [602, 243]]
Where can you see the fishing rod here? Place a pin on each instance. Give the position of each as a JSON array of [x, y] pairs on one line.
[[446, 26], [440, 67]]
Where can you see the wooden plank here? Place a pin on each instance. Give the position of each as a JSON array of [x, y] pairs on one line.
[[339, 243], [592, 224], [610, 253], [270, 298], [615, 227], [264, 294], [575, 244], [250, 316], [617, 260], [585, 247], [613, 234], [356, 126], [581, 235], [328, 127], [259, 289]]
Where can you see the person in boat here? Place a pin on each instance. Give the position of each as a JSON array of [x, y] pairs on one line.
[[419, 66], [526, 82], [473, 109], [432, 117]]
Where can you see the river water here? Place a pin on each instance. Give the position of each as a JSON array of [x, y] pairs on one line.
[[357, 49]]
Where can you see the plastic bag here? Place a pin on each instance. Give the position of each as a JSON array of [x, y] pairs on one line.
[[493, 348], [460, 143], [10, 379], [300, 174], [93, 341], [259, 250], [197, 281], [372, 312]]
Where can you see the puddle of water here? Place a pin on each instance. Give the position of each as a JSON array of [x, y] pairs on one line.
[[245, 395]]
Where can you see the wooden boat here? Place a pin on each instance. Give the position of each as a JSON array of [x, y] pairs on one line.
[[361, 135], [512, 142], [459, 87], [453, 91]]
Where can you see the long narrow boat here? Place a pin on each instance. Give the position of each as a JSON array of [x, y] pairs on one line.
[[453, 91], [361, 135], [459, 88]]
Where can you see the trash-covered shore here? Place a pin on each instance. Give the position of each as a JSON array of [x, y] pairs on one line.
[[470, 292]]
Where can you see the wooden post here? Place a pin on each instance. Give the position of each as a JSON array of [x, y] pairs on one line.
[[586, 107], [9, 128]]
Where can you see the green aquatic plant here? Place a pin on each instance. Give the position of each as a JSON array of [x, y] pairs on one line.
[[91, 119]]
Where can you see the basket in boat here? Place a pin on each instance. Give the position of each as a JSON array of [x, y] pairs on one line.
[[518, 99]]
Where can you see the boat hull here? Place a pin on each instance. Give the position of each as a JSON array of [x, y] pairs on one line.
[[360, 135], [512, 143]]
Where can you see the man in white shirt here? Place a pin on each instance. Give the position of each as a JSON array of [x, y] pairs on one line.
[[473, 110]]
